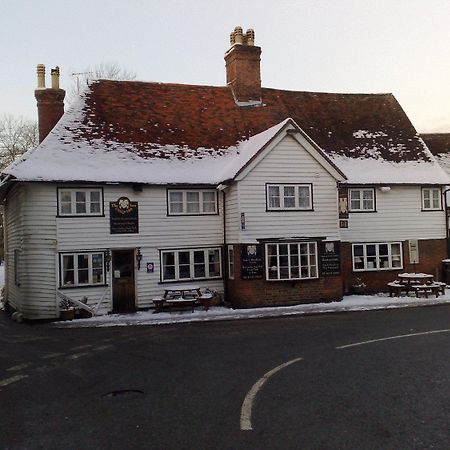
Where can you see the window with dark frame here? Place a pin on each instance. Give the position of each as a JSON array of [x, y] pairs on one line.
[[291, 261], [431, 199], [361, 200], [289, 197], [377, 256], [80, 202], [231, 262], [191, 264], [82, 269], [192, 202]]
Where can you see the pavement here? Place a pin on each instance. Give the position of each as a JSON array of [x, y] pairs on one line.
[[349, 303]]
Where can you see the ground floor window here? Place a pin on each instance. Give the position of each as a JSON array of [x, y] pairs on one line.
[[191, 264], [82, 269], [377, 256], [291, 261]]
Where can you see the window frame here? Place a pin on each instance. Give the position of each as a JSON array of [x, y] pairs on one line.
[[377, 267], [75, 256], [73, 191], [282, 206], [192, 276], [289, 243], [361, 200], [431, 188], [201, 203]]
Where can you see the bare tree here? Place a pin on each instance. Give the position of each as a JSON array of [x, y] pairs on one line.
[[103, 71], [17, 135]]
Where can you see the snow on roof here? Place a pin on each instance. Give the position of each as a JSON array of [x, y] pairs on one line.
[[58, 159], [165, 134]]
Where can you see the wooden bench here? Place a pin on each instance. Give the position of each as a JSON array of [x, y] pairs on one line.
[[395, 287], [432, 288], [205, 300], [442, 286]]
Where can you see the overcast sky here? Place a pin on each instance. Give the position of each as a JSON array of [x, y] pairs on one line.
[[398, 46]]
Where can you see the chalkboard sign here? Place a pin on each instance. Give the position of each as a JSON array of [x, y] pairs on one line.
[[123, 216], [252, 266], [330, 258]]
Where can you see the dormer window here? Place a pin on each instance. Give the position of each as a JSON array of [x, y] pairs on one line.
[[431, 199]]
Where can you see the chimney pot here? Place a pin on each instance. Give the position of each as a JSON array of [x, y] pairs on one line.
[[238, 36], [250, 37], [40, 76], [55, 77]]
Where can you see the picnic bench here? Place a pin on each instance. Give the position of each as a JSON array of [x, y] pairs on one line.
[[418, 283], [182, 296]]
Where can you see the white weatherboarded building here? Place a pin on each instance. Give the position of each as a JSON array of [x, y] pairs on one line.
[[266, 196]]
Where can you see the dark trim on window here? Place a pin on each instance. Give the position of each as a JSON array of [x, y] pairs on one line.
[[355, 188], [421, 199], [192, 189], [71, 252], [72, 188], [289, 209], [178, 249]]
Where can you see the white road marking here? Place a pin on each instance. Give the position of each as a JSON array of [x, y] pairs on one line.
[[18, 367], [52, 355], [80, 347], [392, 337], [78, 355], [102, 347], [247, 405], [11, 380]]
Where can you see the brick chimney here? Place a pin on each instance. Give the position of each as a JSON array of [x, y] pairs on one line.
[[50, 101], [242, 63]]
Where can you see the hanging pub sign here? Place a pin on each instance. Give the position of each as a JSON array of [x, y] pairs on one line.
[[251, 261], [123, 216], [330, 258], [343, 203]]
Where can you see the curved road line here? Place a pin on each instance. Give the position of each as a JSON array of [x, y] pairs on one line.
[[392, 337], [247, 405]]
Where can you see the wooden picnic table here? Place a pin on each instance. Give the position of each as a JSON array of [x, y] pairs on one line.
[[420, 283], [182, 295]]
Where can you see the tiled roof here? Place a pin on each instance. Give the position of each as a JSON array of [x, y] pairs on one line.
[[437, 142], [152, 115]]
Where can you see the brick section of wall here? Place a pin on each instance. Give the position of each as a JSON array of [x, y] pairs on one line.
[[259, 292], [431, 254], [243, 72], [50, 104]]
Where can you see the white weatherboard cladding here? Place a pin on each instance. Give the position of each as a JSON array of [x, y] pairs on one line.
[[13, 236], [398, 217], [156, 231], [35, 227], [287, 162], [232, 213]]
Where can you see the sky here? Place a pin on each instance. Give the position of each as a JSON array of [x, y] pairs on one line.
[[398, 46]]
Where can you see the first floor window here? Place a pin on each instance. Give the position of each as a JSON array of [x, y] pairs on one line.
[[79, 269], [431, 199], [362, 200], [193, 202], [291, 261], [377, 256], [191, 264], [80, 202], [289, 196]]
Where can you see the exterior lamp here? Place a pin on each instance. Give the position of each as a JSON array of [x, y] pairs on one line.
[[138, 258]]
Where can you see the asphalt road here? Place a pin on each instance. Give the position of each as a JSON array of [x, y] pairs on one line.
[[183, 386]]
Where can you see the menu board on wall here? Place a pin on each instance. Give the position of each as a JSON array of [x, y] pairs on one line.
[[330, 258], [123, 216], [252, 265]]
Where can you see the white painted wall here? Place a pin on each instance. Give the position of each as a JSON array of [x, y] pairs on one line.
[[398, 217], [288, 162]]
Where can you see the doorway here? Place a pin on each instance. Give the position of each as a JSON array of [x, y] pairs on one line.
[[123, 286]]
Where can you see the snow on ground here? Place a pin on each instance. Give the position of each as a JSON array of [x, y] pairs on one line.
[[349, 303]]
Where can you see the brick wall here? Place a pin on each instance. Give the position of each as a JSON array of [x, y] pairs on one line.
[[259, 292], [431, 254], [50, 104]]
